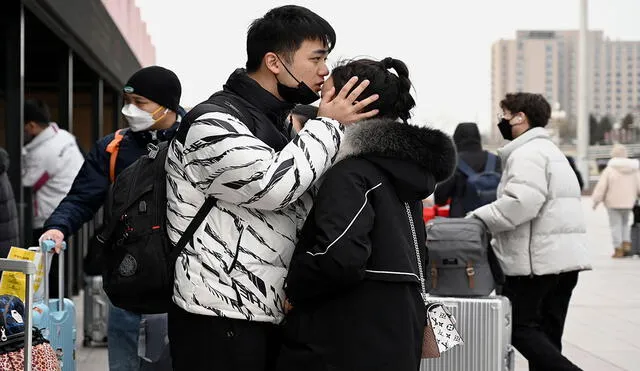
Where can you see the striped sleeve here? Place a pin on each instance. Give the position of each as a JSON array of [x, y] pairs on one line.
[[222, 158]]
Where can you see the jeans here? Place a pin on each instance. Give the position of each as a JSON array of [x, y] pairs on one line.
[[122, 334], [540, 305], [619, 222]]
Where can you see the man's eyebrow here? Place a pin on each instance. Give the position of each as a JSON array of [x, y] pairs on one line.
[[321, 51]]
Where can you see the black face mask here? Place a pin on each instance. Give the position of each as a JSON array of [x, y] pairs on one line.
[[505, 129], [301, 94]]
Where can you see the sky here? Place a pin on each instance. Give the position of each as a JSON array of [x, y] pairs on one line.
[[446, 44]]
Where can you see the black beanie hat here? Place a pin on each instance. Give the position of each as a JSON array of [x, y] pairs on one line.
[[157, 84]]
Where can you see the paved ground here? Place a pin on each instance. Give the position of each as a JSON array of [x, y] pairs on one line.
[[603, 325]]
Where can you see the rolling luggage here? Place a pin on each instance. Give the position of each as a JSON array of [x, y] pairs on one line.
[[60, 324], [20, 349], [485, 324], [96, 312]]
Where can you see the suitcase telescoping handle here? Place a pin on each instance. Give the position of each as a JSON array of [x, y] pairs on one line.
[[47, 247], [29, 269]]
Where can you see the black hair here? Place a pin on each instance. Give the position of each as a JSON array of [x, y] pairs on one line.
[[37, 111], [306, 110], [283, 30], [535, 106], [395, 100]]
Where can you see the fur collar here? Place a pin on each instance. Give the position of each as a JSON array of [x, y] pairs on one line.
[[429, 148]]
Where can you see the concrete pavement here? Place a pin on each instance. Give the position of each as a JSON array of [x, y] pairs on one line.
[[603, 325]]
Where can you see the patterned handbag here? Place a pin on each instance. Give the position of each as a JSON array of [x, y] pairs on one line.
[[12, 353], [440, 333]]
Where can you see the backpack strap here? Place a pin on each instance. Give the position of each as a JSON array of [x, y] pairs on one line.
[[187, 235], [219, 102], [113, 148], [471, 274], [490, 166], [235, 106], [465, 168]]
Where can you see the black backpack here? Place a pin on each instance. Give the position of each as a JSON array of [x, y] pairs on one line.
[[138, 258]]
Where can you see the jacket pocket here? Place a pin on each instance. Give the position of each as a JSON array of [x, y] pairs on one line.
[[237, 251]]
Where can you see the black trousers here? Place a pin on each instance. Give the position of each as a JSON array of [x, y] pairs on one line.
[[222, 344], [540, 305]]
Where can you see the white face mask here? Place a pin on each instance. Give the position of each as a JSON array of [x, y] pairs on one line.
[[138, 119]]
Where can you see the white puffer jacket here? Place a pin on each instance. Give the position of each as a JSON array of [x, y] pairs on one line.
[[236, 264], [50, 163], [537, 221]]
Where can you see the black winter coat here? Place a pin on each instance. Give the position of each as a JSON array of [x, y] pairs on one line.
[[353, 279], [9, 230], [469, 147]]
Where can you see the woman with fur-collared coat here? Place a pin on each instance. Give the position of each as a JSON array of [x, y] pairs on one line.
[[353, 287]]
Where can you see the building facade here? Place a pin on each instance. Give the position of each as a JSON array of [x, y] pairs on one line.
[[546, 62]]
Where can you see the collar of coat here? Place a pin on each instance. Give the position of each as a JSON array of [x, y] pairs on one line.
[[44, 136], [429, 148], [529, 135], [624, 164]]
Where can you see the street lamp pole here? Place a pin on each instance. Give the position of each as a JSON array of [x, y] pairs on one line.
[[583, 95]]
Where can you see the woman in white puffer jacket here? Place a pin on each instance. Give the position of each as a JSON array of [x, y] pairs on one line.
[[618, 188]]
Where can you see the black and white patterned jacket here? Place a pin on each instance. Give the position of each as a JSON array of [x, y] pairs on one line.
[[239, 257]]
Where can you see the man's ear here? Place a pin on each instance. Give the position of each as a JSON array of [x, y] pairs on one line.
[[272, 62]]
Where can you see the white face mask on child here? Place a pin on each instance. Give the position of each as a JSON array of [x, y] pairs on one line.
[[140, 120]]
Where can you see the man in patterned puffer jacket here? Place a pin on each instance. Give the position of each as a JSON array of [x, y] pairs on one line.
[[229, 278]]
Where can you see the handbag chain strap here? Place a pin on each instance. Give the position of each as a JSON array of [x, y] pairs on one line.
[[417, 247]]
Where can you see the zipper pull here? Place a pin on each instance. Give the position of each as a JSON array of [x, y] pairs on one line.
[[153, 150], [3, 335]]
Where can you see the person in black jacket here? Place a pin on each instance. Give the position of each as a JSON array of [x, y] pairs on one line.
[[353, 289], [152, 110], [469, 147], [9, 232]]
